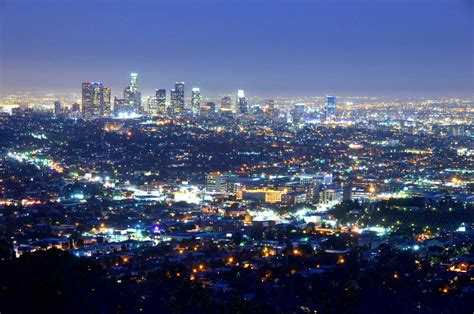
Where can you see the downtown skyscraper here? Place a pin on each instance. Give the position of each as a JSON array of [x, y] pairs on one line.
[[226, 102], [132, 95], [177, 98], [95, 100], [242, 102], [195, 100], [330, 107], [160, 95]]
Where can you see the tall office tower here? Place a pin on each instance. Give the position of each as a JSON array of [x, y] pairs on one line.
[[94, 96], [208, 109], [76, 107], [161, 100], [270, 105], [270, 109], [242, 102], [330, 107], [87, 100], [133, 82], [57, 108], [195, 100], [179, 88], [152, 105], [132, 95], [107, 108], [173, 102], [177, 98], [298, 112], [75, 112], [120, 105], [226, 102]]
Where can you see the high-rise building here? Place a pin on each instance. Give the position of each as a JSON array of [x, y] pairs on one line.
[[121, 106], [208, 109], [179, 89], [152, 105], [195, 100], [88, 110], [270, 110], [226, 102], [132, 95], [177, 98], [298, 112], [174, 103], [161, 100], [242, 102], [107, 109], [75, 112], [57, 108], [270, 105], [330, 107], [95, 99], [134, 82]]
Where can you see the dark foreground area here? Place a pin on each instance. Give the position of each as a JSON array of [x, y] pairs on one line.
[[54, 281]]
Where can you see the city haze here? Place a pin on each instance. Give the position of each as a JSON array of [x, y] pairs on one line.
[[390, 48]]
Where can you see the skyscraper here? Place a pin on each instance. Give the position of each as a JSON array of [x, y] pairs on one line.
[[330, 107], [226, 102], [152, 105], [134, 82], [107, 108], [120, 105], [270, 110], [298, 112], [132, 95], [208, 109], [177, 98], [95, 99], [173, 102], [161, 100], [242, 102], [195, 100], [57, 108]]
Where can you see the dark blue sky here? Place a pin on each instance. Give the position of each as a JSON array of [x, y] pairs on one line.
[[356, 47]]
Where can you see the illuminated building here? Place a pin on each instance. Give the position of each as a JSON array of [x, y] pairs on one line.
[[270, 109], [107, 110], [330, 196], [208, 109], [226, 102], [95, 100], [161, 100], [57, 108], [242, 102], [132, 95], [152, 105], [195, 100], [120, 105], [216, 182], [293, 198], [188, 193], [298, 112], [76, 107], [133, 82], [263, 195], [330, 107], [177, 98]]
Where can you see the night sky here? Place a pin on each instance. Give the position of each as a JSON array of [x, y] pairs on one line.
[[378, 47]]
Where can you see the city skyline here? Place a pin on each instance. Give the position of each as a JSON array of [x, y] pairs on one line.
[[236, 156], [357, 48]]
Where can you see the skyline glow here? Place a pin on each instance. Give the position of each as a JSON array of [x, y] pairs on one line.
[[285, 48]]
